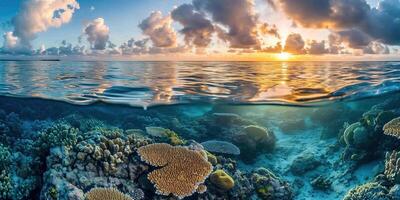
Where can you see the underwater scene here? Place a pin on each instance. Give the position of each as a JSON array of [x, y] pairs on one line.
[[199, 130]]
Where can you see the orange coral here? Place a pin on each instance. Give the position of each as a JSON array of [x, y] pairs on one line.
[[106, 193], [183, 169], [393, 128]]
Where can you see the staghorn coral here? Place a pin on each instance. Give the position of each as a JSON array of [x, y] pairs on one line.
[[393, 128], [370, 191], [59, 134], [108, 149], [392, 167], [106, 193], [216, 146], [182, 169]]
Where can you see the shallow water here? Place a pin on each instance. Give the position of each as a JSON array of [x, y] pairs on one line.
[[287, 119]]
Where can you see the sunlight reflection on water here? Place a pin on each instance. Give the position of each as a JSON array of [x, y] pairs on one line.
[[148, 83]]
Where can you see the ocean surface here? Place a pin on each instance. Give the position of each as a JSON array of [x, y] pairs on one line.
[[252, 130]]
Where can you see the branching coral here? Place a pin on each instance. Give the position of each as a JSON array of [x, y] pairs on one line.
[[106, 193], [182, 169], [392, 166], [393, 128], [368, 191], [59, 134]]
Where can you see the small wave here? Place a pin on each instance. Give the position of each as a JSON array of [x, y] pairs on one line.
[[156, 83]]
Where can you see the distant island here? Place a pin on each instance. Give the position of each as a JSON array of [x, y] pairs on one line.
[[29, 59]]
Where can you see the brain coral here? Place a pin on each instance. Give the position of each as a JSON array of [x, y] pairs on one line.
[[393, 128], [216, 146], [183, 169], [106, 193]]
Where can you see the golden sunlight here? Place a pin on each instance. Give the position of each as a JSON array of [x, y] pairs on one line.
[[284, 56]]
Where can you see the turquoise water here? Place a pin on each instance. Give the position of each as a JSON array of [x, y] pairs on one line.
[[278, 130]]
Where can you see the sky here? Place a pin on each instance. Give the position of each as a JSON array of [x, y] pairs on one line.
[[201, 29]]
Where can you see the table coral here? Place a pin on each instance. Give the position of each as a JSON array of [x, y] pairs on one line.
[[393, 128], [182, 169]]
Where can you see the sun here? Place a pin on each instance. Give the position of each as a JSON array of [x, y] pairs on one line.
[[284, 56]]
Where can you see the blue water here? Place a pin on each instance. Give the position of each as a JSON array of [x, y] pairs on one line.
[[289, 120], [153, 83]]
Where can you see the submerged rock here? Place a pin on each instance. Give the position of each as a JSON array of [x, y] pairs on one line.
[[253, 141], [304, 163]]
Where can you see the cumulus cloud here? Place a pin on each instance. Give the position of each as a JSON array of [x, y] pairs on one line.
[[65, 49], [294, 44], [376, 48], [349, 18], [159, 29], [317, 48], [37, 16], [238, 17], [197, 29], [97, 33]]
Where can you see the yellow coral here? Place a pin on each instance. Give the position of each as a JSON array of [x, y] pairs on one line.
[[183, 170], [106, 193], [222, 180], [393, 128]]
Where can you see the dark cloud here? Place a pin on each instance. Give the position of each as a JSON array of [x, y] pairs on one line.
[[159, 29], [355, 38], [349, 18], [196, 28], [317, 48], [238, 17], [294, 44]]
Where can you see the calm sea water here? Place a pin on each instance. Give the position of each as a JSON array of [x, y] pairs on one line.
[[149, 83], [294, 130]]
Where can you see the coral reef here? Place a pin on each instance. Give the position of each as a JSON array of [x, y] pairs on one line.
[[269, 187], [221, 147], [183, 169], [392, 167], [222, 180], [106, 193], [393, 128], [253, 141], [371, 191]]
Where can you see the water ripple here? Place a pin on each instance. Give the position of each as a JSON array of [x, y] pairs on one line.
[[149, 83]]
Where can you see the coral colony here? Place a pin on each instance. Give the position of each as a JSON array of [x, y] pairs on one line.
[[77, 156]]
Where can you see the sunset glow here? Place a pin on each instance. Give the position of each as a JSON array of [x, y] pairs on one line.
[[195, 30], [284, 56]]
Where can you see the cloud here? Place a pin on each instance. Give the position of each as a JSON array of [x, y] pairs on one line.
[[97, 33], [376, 48], [12, 44], [37, 16], [197, 30], [317, 48], [294, 44], [159, 29], [349, 17], [134, 47], [65, 49], [240, 23]]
